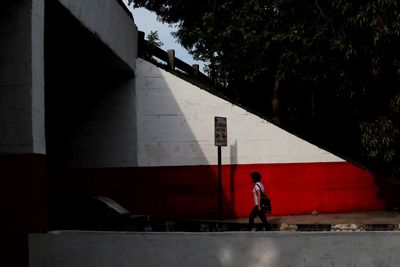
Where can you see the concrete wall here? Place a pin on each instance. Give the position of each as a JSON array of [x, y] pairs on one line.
[[23, 137], [176, 127], [99, 129], [108, 21], [22, 78], [176, 156], [215, 249], [38, 105], [22, 134], [90, 97], [22, 107], [107, 135]]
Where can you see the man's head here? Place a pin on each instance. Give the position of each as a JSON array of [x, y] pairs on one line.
[[255, 176]]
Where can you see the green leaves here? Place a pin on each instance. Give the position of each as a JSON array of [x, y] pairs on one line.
[[380, 140], [153, 39]]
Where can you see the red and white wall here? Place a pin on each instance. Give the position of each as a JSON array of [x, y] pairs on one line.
[[24, 147], [145, 139], [134, 132], [175, 140]]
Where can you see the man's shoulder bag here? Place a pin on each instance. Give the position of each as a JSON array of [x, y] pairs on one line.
[[265, 202]]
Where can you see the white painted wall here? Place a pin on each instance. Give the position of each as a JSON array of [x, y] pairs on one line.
[[22, 78], [176, 127], [215, 249], [110, 23]]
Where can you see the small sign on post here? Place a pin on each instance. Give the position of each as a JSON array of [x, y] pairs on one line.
[[221, 139], [221, 135]]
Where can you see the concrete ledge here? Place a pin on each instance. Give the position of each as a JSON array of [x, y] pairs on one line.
[[215, 249], [110, 22]]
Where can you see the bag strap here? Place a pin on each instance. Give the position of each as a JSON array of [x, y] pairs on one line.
[[262, 192]]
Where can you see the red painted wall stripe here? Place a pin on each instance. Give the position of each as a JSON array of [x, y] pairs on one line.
[[191, 191]]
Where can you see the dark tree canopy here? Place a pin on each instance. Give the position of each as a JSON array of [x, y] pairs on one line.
[[327, 70]]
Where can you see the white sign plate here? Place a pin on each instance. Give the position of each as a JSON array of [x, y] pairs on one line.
[[220, 131]]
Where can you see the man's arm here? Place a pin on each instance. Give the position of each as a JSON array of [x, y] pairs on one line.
[[258, 198]]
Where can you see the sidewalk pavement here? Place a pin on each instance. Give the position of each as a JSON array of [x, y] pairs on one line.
[[360, 221], [372, 217]]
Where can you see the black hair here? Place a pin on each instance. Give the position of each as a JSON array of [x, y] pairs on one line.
[[256, 176]]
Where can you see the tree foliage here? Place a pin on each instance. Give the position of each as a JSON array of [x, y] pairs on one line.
[[380, 139], [153, 39], [328, 70]]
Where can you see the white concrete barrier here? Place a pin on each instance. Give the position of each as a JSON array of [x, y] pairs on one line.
[[215, 249]]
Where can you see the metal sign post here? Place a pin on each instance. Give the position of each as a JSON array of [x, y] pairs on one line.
[[221, 139]]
